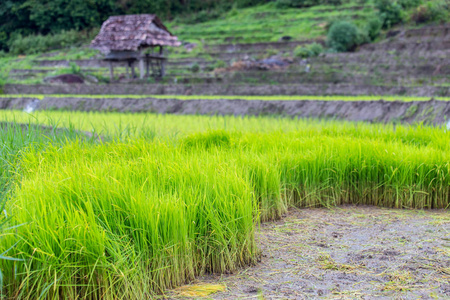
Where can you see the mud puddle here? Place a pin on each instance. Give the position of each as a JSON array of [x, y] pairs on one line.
[[347, 253]]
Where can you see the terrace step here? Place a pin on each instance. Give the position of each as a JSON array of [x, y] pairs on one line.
[[310, 78], [240, 47], [227, 89], [410, 46]]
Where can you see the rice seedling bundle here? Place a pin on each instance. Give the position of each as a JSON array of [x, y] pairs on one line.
[[123, 220], [148, 210]]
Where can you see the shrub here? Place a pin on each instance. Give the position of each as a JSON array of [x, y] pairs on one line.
[[41, 43], [271, 52], [316, 48], [234, 11], [310, 50], [373, 28], [74, 68], [220, 64], [409, 3], [195, 68], [431, 12], [362, 37], [420, 15], [390, 12], [302, 52], [342, 36]]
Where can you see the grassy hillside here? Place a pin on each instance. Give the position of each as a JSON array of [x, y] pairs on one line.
[[266, 23]]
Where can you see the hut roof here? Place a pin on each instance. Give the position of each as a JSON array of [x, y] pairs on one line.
[[130, 32]]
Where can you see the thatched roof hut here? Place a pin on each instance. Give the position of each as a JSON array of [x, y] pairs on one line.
[[133, 32], [122, 38]]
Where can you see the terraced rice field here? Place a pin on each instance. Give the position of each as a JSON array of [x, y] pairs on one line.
[[148, 202]]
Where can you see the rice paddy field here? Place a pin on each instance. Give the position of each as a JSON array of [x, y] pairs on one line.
[[126, 206], [235, 97]]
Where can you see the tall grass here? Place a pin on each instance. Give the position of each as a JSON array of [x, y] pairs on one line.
[[148, 211]]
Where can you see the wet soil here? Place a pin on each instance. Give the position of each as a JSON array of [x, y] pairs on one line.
[[347, 253]]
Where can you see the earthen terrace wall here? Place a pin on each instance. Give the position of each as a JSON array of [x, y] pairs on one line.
[[225, 89]]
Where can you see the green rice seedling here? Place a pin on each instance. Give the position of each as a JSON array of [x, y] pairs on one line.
[[16, 138], [216, 138], [167, 198], [175, 126], [121, 219]]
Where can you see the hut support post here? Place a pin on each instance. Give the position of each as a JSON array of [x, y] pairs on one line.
[[141, 68], [127, 69], [111, 71], [133, 74], [147, 71], [163, 71], [161, 52]]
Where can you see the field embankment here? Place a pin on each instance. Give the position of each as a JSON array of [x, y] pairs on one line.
[[229, 89], [429, 112]]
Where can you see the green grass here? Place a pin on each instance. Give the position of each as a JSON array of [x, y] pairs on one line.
[[267, 23], [162, 199], [240, 97], [72, 53]]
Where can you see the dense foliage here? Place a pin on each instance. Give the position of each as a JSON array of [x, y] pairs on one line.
[[373, 28], [310, 50], [40, 43], [432, 11], [342, 36], [25, 17], [390, 12]]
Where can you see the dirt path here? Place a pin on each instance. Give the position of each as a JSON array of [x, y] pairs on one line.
[[347, 253]]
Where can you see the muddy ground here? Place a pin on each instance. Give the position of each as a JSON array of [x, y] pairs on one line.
[[346, 253], [429, 112]]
